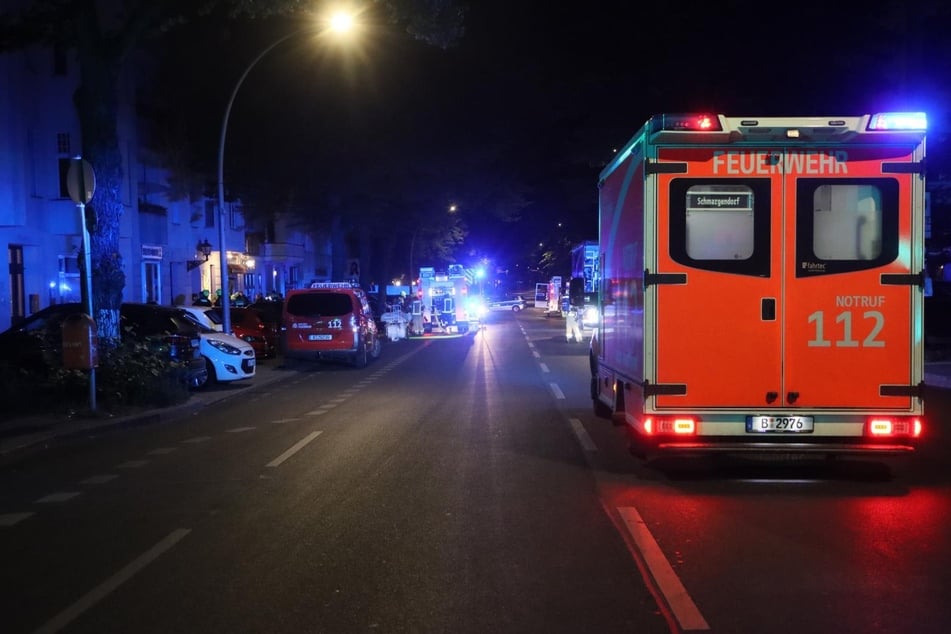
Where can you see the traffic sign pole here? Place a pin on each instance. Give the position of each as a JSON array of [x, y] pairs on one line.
[[81, 184]]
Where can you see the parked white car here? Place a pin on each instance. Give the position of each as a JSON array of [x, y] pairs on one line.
[[227, 357]]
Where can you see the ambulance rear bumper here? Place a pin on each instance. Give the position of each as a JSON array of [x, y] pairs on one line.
[[710, 446]]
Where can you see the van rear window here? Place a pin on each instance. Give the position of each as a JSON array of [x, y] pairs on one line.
[[319, 304]]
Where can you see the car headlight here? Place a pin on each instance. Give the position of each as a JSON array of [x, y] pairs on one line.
[[224, 346]]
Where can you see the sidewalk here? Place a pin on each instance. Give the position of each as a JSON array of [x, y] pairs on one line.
[[20, 434], [23, 433]]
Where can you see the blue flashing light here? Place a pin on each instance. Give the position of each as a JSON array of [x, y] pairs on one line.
[[898, 121]]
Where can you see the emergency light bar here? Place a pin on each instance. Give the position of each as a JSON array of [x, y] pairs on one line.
[[898, 121], [686, 123]]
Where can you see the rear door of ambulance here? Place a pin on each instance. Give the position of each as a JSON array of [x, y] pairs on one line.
[[791, 278]]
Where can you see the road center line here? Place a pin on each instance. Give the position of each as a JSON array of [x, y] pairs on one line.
[[683, 607], [297, 447], [557, 391], [98, 593]]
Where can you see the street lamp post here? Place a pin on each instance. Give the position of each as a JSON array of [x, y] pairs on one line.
[[338, 23]]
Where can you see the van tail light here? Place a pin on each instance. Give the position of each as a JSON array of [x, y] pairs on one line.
[[676, 425], [354, 323], [894, 427]]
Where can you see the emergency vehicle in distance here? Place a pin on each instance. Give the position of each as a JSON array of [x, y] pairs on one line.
[[762, 285], [443, 301]]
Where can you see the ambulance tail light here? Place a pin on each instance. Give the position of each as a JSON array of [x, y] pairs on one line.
[[898, 121], [675, 425], [894, 427], [689, 123]]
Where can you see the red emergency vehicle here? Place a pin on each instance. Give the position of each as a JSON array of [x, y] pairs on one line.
[[762, 284]]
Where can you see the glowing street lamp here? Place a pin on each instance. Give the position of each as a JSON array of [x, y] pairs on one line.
[[338, 23]]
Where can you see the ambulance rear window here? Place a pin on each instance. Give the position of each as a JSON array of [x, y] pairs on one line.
[[719, 222], [847, 221], [319, 304], [845, 224]]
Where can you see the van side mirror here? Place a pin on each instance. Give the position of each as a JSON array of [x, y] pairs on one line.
[[576, 291]]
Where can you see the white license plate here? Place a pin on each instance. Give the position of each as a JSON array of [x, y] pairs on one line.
[[250, 363], [319, 337], [779, 424]]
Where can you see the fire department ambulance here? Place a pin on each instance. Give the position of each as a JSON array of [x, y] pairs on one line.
[[761, 285]]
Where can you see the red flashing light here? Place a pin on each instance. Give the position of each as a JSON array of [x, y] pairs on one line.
[[891, 427], [679, 425], [691, 123]]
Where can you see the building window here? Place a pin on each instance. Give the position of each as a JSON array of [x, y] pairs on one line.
[[69, 285], [209, 214], [63, 180]]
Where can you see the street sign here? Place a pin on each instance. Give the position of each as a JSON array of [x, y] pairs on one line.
[[80, 181]]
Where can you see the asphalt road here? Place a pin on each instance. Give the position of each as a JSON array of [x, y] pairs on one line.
[[460, 485]]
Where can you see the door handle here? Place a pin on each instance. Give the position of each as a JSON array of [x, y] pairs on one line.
[[768, 309]]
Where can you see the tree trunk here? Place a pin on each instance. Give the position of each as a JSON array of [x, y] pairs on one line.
[[97, 106]]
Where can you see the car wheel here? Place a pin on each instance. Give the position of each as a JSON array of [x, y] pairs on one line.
[[376, 349], [515, 309], [360, 356], [212, 377]]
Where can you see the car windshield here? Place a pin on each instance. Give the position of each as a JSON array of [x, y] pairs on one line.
[[202, 328], [319, 304]]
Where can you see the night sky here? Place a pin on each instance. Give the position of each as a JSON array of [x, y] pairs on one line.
[[531, 101]]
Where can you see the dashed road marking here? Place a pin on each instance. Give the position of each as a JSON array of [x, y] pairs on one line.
[[241, 430], [161, 451], [543, 367], [98, 593], [556, 391], [12, 519], [54, 498], [293, 450], [198, 439], [586, 443]]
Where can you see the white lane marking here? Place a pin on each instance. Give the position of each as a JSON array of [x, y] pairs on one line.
[[683, 607], [543, 367], [281, 421], [10, 519], [239, 430], [161, 451], [297, 447], [100, 479], [556, 391], [536, 354], [531, 345], [329, 405], [57, 497], [100, 592], [198, 439], [339, 399], [586, 443], [316, 412], [132, 464]]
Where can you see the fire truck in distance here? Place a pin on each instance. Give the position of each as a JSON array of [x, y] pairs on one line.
[[762, 284], [442, 300], [582, 314]]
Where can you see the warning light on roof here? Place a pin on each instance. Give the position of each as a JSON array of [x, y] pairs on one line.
[[691, 123], [898, 121]]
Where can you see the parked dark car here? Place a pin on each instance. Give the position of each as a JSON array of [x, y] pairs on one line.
[[36, 342]]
